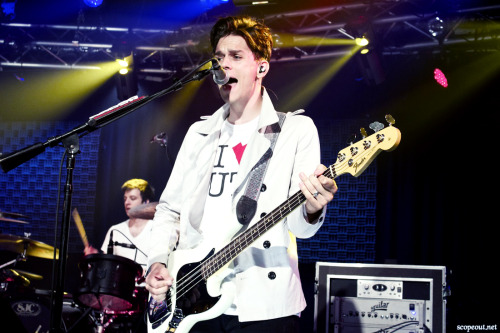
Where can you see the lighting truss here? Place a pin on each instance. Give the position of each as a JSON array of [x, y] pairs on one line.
[[399, 27]]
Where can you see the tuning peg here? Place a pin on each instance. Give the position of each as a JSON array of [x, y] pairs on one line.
[[363, 132], [352, 139], [390, 119], [376, 126]]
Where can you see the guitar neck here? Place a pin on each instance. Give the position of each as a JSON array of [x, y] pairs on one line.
[[244, 240]]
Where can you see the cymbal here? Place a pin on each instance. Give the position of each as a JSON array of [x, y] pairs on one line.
[[33, 248], [5, 216], [28, 275], [12, 214], [12, 220], [144, 211]]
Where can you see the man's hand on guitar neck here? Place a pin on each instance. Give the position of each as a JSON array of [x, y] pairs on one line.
[[318, 190], [158, 281]]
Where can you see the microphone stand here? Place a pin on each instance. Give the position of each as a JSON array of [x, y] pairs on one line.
[[70, 141]]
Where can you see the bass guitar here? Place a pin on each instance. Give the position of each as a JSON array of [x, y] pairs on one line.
[[199, 291]]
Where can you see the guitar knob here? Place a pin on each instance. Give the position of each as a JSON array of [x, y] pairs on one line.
[[363, 132]]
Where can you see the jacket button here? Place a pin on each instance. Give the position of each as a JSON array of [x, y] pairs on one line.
[[266, 244], [263, 188], [271, 275]]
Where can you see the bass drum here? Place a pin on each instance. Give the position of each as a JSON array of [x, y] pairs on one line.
[[108, 283], [31, 313]]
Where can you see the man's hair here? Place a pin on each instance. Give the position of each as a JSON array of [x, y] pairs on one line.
[[256, 34], [147, 191]]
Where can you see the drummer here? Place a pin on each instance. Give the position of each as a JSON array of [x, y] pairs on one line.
[[131, 238]]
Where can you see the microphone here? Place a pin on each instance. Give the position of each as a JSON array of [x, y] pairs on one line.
[[110, 244], [129, 246], [219, 76]]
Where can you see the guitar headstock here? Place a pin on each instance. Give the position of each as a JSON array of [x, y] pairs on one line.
[[358, 156]]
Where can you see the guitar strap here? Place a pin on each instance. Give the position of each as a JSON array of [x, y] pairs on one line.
[[247, 205]]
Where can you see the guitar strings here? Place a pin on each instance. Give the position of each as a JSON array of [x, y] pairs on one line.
[[212, 264]]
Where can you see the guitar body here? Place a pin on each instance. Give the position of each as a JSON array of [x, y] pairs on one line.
[[191, 298]]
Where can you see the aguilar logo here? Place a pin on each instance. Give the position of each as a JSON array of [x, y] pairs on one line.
[[381, 306]]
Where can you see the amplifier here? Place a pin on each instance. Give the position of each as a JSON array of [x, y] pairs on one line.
[[369, 298]]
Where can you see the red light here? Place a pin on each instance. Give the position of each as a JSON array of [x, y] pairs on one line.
[[440, 77]]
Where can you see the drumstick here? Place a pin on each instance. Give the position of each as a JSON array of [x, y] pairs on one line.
[[81, 229]]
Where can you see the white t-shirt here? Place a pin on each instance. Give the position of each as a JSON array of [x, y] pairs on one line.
[[232, 144], [142, 242], [217, 213]]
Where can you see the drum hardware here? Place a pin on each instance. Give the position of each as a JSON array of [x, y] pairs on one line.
[[120, 321], [11, 281], [24, 247], [105, 322], [14, 275]]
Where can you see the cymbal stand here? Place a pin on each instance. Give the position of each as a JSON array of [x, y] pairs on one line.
[[20, 257]]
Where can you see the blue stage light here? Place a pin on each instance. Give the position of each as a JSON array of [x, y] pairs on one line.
[[93, 3]]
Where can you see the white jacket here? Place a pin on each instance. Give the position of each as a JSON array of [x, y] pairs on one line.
[[267, 278]]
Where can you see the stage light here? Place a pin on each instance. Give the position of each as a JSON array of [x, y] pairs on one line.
[[363, 41], [369, 60], [8, 10], [126, 78], [122, 62], [93, 3], [371, 67], [126, 64], [440, 77], [436, 26]]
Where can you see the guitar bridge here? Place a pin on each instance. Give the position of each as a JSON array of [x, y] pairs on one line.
[[176, 319]]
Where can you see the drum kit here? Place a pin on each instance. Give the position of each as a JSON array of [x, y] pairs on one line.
[[109, 297]]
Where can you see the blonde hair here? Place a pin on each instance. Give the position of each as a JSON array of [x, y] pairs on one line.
[[147, 191]]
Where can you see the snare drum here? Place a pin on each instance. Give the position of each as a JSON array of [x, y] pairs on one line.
[[108, 283]]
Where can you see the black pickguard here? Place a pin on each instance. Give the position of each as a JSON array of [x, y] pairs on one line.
[[196, 299]]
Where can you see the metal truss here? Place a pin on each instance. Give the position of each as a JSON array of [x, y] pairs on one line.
[[394, 27]]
